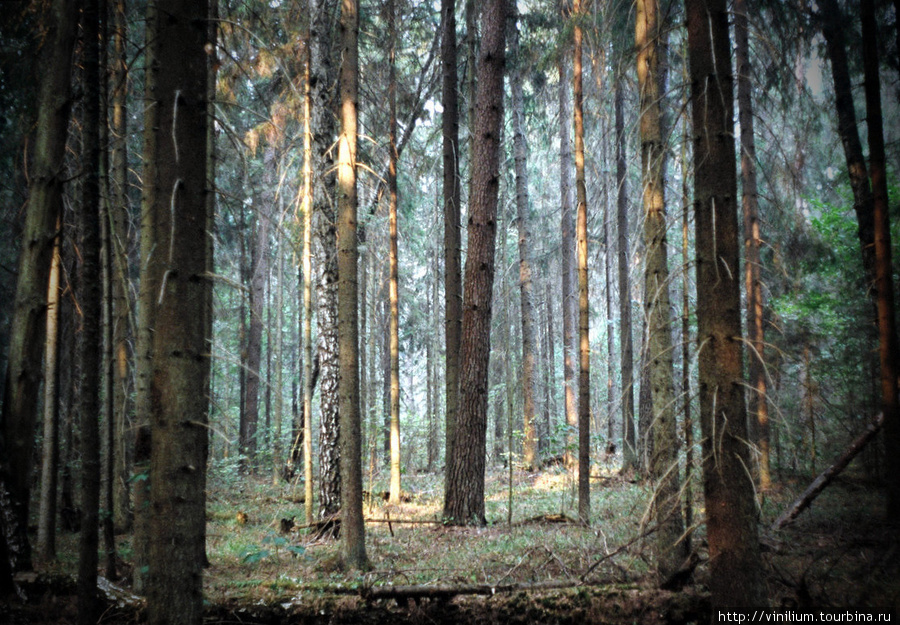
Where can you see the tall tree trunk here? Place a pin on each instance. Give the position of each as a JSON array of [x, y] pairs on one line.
[[464, 497], [735, 568], [259, 269], [661, 369], [833, 24], [626, 354], [307, 287], [530, 458], [323, 133], [46, 542], [581, 235], [567, 228], [756, 370], [278, 352], [452, 232], [28, 327], [688, 423], [90, 300], [887, 321], [353, 538], [119, 217], [393, 259], [180, 369]]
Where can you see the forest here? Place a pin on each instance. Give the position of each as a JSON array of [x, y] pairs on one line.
[[386, 311]]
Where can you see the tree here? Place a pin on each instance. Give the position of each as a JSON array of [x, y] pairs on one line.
[[581, 237], [529, 349], [735, 568], [180, 366], [888, 351], [661, 369], [28, 327], [464, 496], [452, 232], [353, 543]]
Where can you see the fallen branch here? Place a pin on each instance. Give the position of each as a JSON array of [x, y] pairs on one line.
[[447, 591], [825, 478]]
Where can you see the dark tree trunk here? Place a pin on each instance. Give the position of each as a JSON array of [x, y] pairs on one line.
[[735, 569], [464, 498]]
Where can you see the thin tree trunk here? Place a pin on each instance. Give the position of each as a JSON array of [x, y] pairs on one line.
[[735, 569], [584, 348], [688, 423], [393, 260], [888, 350], [464, 497], [756, 371], [353, 538], [307, 288], [530, 460], [259, 269], [28, 327]]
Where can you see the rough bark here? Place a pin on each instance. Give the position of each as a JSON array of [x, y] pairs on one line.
[[180, 367], [888, 349], [393, 259], [735, 569], [353, 538], [756, 366], [661, 373], [530, 460], [581, 236], [308, 384], [28, 327], [464, 498], [452, 231]]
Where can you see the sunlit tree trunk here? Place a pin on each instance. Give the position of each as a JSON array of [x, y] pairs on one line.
[[530, 459], [887, 321], [581, 235], [180, 367], [661, 374], [307, 290], [353, 538], [567, 228], [735, 569], [28, 327], [464, 497], [756, 370], [90, 337]]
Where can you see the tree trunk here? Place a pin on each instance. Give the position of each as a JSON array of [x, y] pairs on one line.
[[530, 460], [626, 353], [567, 228], [353, 538], [661, 369], [90, 300], [28, 326], [452, 232], [464, 498], [393, 260], [259, 269], [888, 352], [735, 568], [584, 347], [180, 368], [688, 420], [756, 370], [307, 285], [46, 542]]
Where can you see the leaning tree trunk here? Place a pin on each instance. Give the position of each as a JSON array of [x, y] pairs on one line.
[[28, 326], [180, 367], [464, 497], [735, 569]]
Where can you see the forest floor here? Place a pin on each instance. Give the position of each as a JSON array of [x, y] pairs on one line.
[[541, 568]]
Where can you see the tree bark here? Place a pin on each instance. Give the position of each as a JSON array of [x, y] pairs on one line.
[[661, 369], [888, 349], [464, 498], [308, 384], [530, 460], [735, 569], [393, 258], [353, 538], [581, 235], [28, 326], [180, 367]]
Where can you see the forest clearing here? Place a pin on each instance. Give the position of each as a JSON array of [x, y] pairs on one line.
[[448, 311]]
